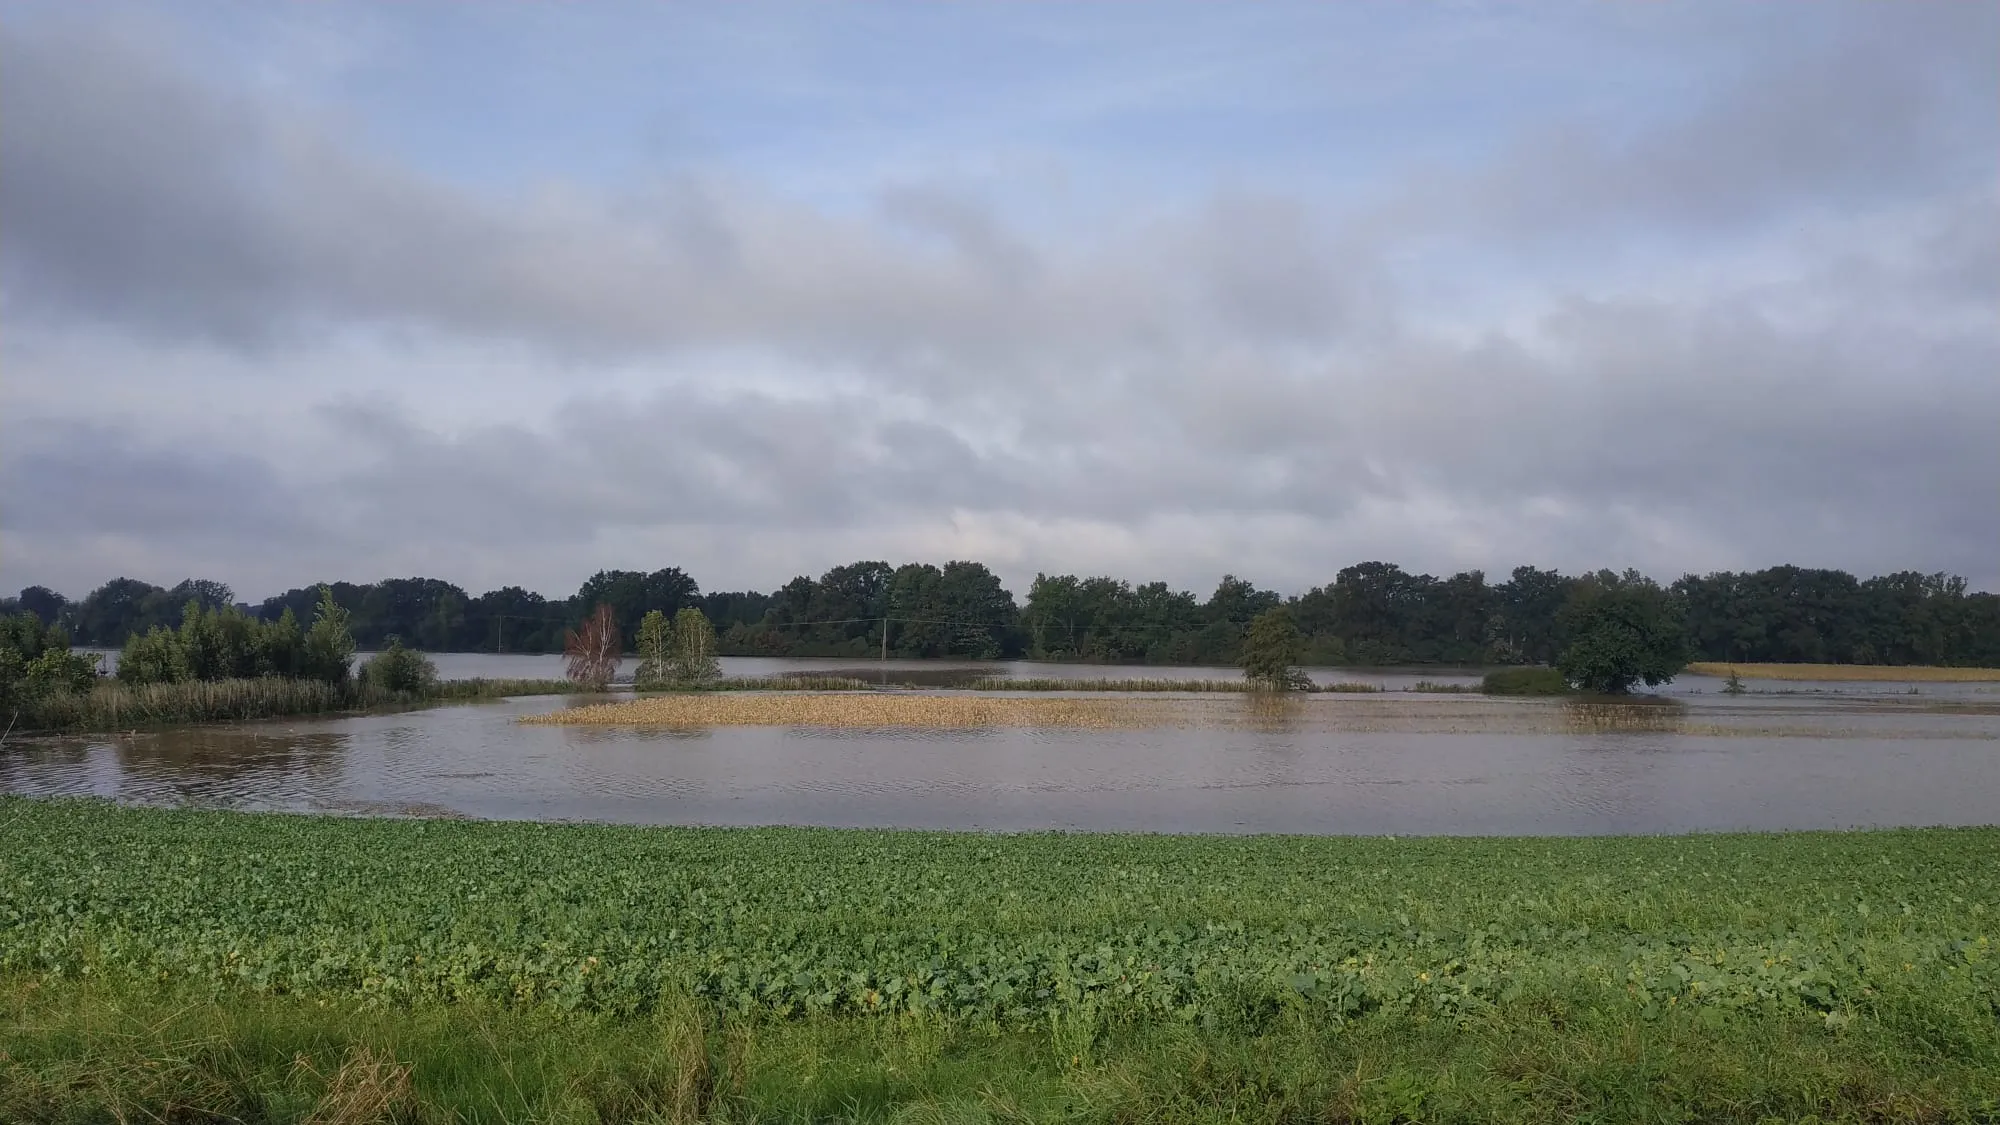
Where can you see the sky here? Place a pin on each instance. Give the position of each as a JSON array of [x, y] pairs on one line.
[[508, 293]]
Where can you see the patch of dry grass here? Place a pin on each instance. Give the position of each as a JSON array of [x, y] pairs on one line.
[[857, 709], [1849, 673]]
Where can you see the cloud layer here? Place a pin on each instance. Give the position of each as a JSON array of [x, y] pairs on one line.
[[1755, 321]]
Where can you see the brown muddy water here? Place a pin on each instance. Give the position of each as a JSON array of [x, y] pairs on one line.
[[1372, 764]]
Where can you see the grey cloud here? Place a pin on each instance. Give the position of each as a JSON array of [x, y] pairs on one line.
[[1837, 122], [1250, 380]]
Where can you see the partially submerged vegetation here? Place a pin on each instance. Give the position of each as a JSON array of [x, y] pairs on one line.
[[1148, 684], [185, 965], [1145, 684], [1525, 681], [1847, 673], [111, 706], [854, 709]]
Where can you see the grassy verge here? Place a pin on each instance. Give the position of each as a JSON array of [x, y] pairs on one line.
[[1849, 673], [93, 1052], [238, 966]]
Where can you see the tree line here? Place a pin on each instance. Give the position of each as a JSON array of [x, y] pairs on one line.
[[1373, 613]]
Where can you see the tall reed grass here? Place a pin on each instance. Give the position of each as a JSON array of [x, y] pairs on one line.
[[112, 705]]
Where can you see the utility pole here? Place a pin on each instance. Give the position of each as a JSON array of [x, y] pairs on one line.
[[885, 640]]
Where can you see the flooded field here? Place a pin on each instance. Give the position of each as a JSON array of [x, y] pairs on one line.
[[1389, 763]]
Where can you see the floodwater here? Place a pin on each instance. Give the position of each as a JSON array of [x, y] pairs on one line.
[[1391, 763]]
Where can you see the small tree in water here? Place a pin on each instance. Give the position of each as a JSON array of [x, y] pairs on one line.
[[694, 662], [591, 650], [656, 652], [1271, 652]]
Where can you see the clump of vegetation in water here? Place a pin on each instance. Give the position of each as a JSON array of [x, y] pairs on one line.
[[1272, 649], [1432, 686], [1734, 684], [399, 671], [1165, 977], [1525, 681]]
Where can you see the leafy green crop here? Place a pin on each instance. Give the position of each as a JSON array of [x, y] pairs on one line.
[[1002, 929]]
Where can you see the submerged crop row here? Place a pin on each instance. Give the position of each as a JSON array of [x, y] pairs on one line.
[[1004, 930]]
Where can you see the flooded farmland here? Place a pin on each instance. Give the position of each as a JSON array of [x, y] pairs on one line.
[[1395, 762]]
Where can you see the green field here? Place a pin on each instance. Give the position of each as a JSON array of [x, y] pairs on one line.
[[270, 968]]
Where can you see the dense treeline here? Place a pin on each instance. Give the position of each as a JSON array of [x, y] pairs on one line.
[[1371, 613]]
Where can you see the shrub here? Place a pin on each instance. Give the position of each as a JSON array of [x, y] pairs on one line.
[[1525, 681], [404, 671], [1272, 650]]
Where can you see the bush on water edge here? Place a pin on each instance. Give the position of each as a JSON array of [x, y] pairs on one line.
[[805, 974], [1525, 681]]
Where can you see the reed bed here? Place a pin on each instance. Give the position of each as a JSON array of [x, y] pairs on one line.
[[852, 709], [1435, 687], [1850, 673], [111, 705]]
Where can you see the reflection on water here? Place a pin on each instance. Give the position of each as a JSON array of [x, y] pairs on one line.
[[1365, 764]]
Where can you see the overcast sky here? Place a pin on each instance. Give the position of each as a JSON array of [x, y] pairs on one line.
[[508, 293]]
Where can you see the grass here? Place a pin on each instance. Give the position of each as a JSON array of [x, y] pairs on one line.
[[446, 690], [1158, 684], [1002, 683], [161, 965], [858, 709], [1525, 681], [788, 681], [1432, 686], [111, 705], [1848, 673]]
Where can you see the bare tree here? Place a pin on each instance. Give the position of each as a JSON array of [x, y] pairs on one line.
[[591, 650]]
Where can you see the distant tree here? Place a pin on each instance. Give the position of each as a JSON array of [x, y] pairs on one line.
[[1620, 631], [631, 594], [44, 603], [1272, 649], [694, 662], [210, 593], [655, 645], [591, 650], [329, 646]]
